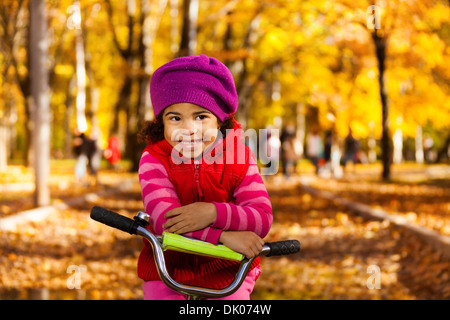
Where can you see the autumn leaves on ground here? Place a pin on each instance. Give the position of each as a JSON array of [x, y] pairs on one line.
[[343, 256]]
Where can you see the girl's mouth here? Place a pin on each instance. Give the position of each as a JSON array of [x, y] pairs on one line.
[[188, 145], [190, 142]]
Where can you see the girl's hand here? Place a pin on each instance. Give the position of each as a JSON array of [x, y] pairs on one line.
[[247, 243], [189, 218]]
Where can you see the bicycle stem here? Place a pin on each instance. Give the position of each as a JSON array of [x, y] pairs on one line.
[[192, 290]]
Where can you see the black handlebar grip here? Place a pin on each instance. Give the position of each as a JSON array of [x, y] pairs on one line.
[[114, 220], [285, 247]]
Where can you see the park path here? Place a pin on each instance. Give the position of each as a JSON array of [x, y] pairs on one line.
[[344, 255], [342, 252]]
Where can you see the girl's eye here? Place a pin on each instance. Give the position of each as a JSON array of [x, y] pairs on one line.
[[201, 117], [175, 118]]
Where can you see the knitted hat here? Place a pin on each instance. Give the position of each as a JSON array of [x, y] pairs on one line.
[[199, 80]]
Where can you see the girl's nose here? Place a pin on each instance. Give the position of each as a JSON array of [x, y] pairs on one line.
[[191, 127]]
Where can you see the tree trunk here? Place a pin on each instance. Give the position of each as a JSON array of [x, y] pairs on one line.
[[69, 109], [174, 25], [419, 145], [398, 146], [244, 87], [3, 144], [40, 97], [188, 44], [301, 129], [81, 70], [123, 103], [151, 19], [25, 88], [380, 49]]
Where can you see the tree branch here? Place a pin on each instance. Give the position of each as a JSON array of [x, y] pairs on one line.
[[123, 52]]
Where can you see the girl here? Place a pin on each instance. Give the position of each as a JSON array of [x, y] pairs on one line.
[[199, 179]]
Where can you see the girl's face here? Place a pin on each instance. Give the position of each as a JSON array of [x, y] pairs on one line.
[[190, 129]]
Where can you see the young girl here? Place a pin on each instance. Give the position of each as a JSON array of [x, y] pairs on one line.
[[194, 180]]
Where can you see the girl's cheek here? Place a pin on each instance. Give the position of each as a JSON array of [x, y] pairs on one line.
[[210, 136], [168, 135], [211, 139]]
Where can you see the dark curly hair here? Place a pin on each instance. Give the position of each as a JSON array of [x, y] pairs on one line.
[[153, 131]]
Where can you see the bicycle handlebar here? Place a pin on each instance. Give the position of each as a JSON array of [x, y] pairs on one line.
[[281, 248], [137, 227], [114, 220]]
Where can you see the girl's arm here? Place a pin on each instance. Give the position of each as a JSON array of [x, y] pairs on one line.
[[252, 210], [159, 196]]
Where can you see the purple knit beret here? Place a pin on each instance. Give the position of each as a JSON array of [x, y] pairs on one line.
[[199, 80]]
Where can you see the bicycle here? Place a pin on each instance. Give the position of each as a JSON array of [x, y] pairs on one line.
[[168, 241]]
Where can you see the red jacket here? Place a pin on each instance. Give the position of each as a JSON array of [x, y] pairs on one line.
[[207, 181]]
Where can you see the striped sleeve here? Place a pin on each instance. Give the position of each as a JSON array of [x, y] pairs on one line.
[[252, 210], [159, 196]]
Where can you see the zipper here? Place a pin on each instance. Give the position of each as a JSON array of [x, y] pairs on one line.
[[197, 179]]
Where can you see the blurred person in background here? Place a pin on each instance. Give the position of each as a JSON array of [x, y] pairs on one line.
[[351, 146], [88, 157], [112, 152], [314, 149], [289, 156]]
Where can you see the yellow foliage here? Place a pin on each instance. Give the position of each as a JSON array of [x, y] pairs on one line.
[[324, 50]]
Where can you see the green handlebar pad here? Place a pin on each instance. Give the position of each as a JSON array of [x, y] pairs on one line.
[[180, 243]]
